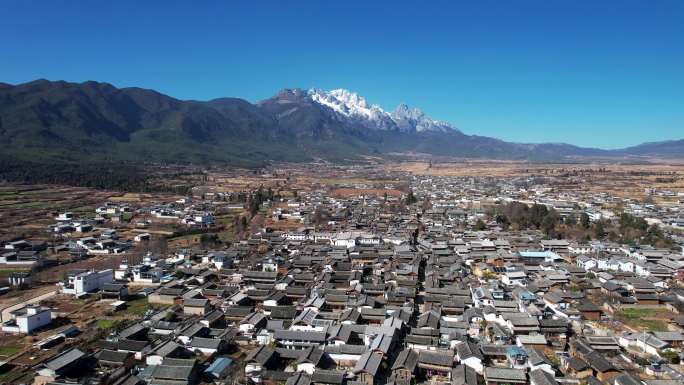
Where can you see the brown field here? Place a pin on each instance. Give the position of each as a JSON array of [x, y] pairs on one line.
[[621, 180], [129, 197], [514, 168], [100, 262], [18, 296], [218, 182], [283, 225], [27, 210]]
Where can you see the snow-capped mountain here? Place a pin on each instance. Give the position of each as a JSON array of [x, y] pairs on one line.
[[349, 105], [292, 126], [414, 119]]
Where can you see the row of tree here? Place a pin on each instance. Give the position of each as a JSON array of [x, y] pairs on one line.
[[626, 228], [103, 176], [522, 216], [257, 198], [254, 201], [245, 196]]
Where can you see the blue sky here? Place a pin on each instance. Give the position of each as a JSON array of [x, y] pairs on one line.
[[593, 73]]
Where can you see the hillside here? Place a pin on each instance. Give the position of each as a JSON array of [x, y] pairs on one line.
[[91, 121]]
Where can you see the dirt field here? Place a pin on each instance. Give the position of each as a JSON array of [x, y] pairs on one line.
[[622, 180], [16, 296], [513, 168], [100, 262], [283, 225], [28, 210]]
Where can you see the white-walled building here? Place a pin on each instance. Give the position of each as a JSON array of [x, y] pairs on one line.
[[27, 319], [86, 282]]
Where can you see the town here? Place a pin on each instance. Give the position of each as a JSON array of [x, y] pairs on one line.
[[372, 274]]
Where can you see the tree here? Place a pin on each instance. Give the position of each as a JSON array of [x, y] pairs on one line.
[[613, 236], [537, 214], [548, 224], [585, 220], [599, 229], [321, 216], [654, 234], [671, 356], [254, 205], [410, 198], [426, 204], [480, 225], [241, 225], [628, 221], [503, 221], [208, 240]]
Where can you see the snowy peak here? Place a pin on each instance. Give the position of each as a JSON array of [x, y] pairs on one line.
[[413, 118], [353, 107], [347, 103]]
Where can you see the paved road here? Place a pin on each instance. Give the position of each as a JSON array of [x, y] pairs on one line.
[[5, 315]]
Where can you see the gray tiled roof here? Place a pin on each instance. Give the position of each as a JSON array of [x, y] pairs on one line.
[[505, 374], [464, 375], [167, 372], [439, 358], [328, 377], [407, 359], [368, 363], [206, 343], [297, 335], [469, 349], [196, 302], [112, 356], [299, 379], [64, 359], [541, 377], [262, 355]]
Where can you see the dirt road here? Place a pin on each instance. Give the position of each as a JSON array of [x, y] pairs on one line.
[[5, 312]]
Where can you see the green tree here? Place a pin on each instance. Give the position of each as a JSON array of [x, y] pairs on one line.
[[585, 221], [503, 221], [670, 356], [599, 229], [537, 214], [208, 240], [410, 198], [548, 224], [254, 204]]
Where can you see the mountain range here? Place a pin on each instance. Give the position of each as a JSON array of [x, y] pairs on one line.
[[59, 121]]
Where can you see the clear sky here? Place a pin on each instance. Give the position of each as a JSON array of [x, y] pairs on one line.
[[594, 73]]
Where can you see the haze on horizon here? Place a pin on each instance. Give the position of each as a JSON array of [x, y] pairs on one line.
[[597, 74]]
